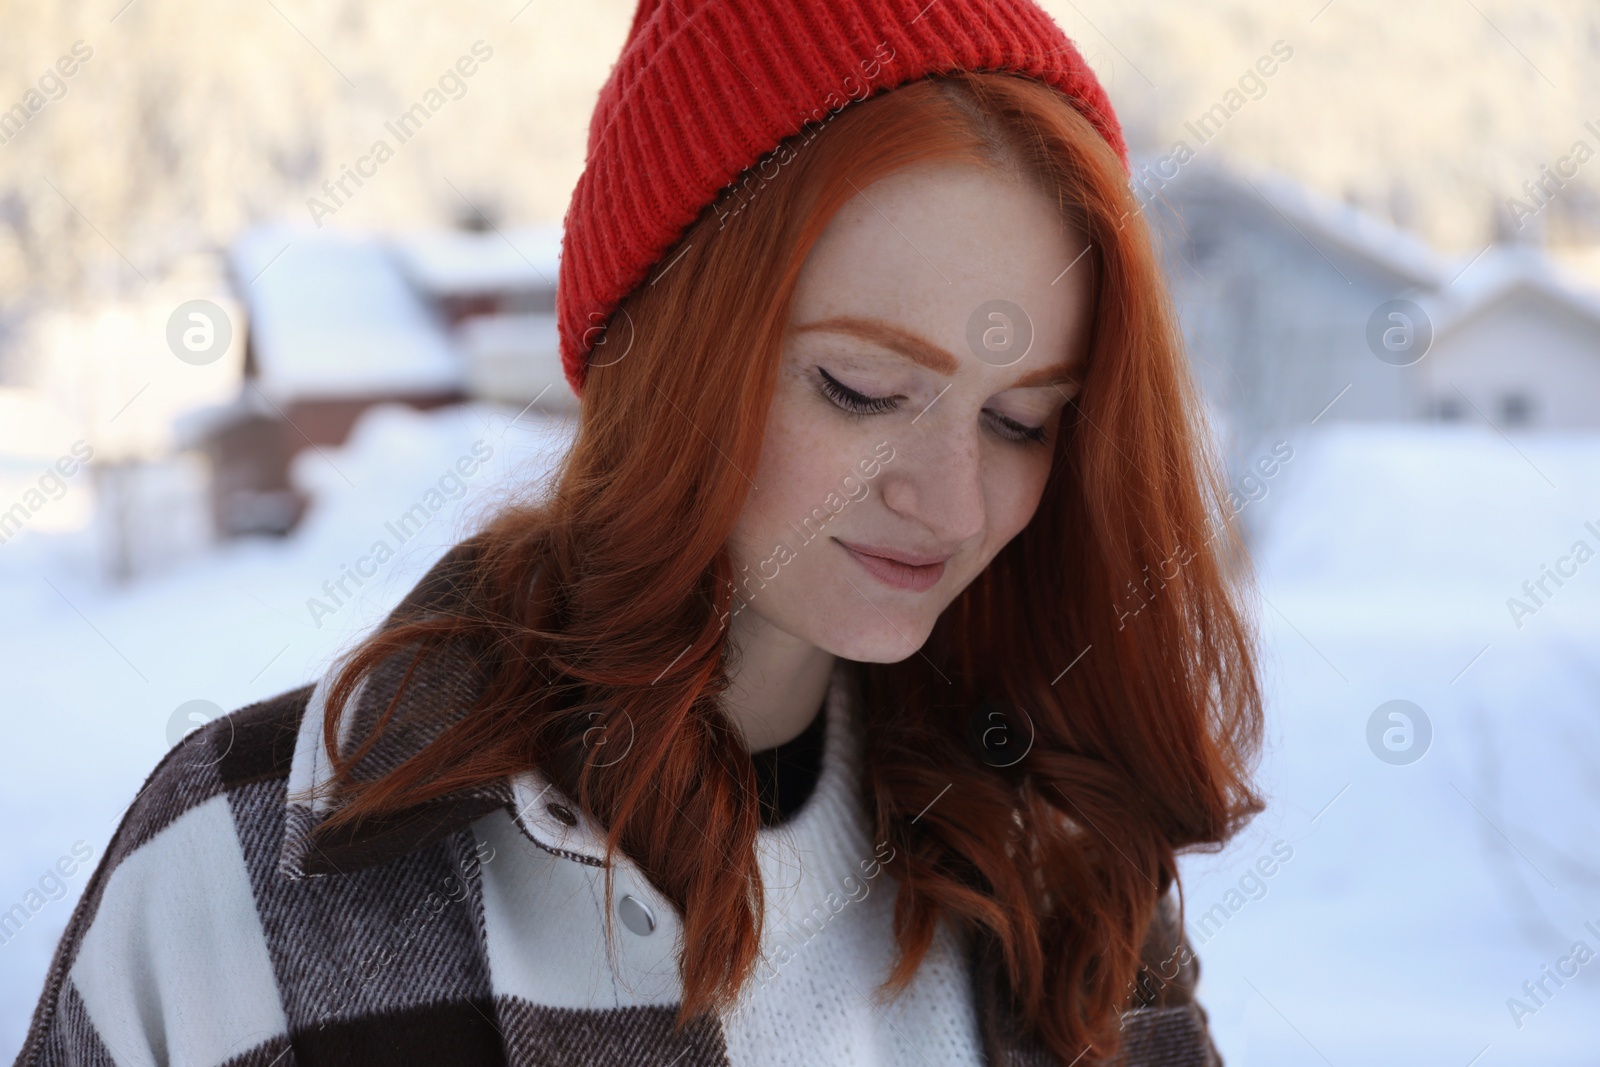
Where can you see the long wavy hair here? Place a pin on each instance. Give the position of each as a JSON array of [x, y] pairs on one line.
[[1112, 636]]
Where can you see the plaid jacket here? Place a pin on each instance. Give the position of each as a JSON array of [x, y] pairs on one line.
[[221, 929]]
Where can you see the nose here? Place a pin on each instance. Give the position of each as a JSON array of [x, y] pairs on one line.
[[936, 479]]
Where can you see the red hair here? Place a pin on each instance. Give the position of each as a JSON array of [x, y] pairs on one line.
[[603, 603]]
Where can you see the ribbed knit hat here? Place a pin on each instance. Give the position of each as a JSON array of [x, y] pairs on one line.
[[706, 88]]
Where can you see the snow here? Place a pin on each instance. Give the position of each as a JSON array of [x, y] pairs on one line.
[[1317, 216], [332, 315], [1417, 899], [458, 263], [96, 676], [1502, 269], [515, 358]]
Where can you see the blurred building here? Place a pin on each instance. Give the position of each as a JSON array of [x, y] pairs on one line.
[[1295, 307], [1516, 340], [1288, 300], [337, 322], [496, 292]]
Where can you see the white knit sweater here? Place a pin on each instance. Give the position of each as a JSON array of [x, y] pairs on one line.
[[828, 939]]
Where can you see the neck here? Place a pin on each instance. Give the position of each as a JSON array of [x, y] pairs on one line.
[[777, 682]]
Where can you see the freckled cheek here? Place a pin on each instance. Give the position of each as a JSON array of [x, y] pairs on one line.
[[799, 451], [802, 462], [1013, 494]]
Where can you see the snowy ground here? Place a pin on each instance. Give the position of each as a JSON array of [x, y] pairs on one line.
[[94, 677], [1406, 902], [1420, 896]]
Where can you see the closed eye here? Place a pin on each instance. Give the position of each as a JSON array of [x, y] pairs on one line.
[[859, 403], [1036, 434], [851, 400]]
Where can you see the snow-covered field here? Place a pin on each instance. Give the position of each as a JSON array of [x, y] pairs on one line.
[[1421, 895], [94, 679], [1379, 912]]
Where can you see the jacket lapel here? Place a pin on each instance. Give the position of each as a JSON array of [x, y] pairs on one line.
[[438, 692], [1168, 1028]]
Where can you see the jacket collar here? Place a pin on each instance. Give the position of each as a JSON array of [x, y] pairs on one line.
[[438, 694]]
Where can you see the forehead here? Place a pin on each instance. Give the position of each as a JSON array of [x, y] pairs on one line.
[[935, 249]]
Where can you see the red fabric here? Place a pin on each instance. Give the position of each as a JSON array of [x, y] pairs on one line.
[[705, 88]]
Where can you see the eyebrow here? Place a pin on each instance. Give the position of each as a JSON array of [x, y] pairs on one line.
[[924, 353]]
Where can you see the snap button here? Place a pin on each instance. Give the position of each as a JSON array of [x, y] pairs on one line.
[[636, 916], [562, 812]]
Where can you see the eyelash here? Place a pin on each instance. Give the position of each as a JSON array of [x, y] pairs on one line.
[[860, 405]]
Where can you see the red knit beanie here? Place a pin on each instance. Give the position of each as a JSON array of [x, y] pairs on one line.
[[706, 88]]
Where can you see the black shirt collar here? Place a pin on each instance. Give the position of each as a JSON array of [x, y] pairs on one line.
[[787, 774]]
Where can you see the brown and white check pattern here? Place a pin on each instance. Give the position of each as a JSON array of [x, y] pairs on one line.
[[220, 929]]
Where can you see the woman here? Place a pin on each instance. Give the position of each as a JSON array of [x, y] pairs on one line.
[[848, 697]]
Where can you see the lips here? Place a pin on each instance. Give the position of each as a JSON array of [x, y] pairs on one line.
[[899, 569]]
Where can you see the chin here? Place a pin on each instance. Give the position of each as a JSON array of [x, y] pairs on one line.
[[876, 641], [891, 651]]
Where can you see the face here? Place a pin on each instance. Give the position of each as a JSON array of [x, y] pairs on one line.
[[935, 336]]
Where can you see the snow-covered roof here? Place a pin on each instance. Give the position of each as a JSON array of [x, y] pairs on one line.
[[198, 425], [1500, 271], [531, 333], [1450, 289], [332, 316], [1322, 219], [459, 262], [515, 358]]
